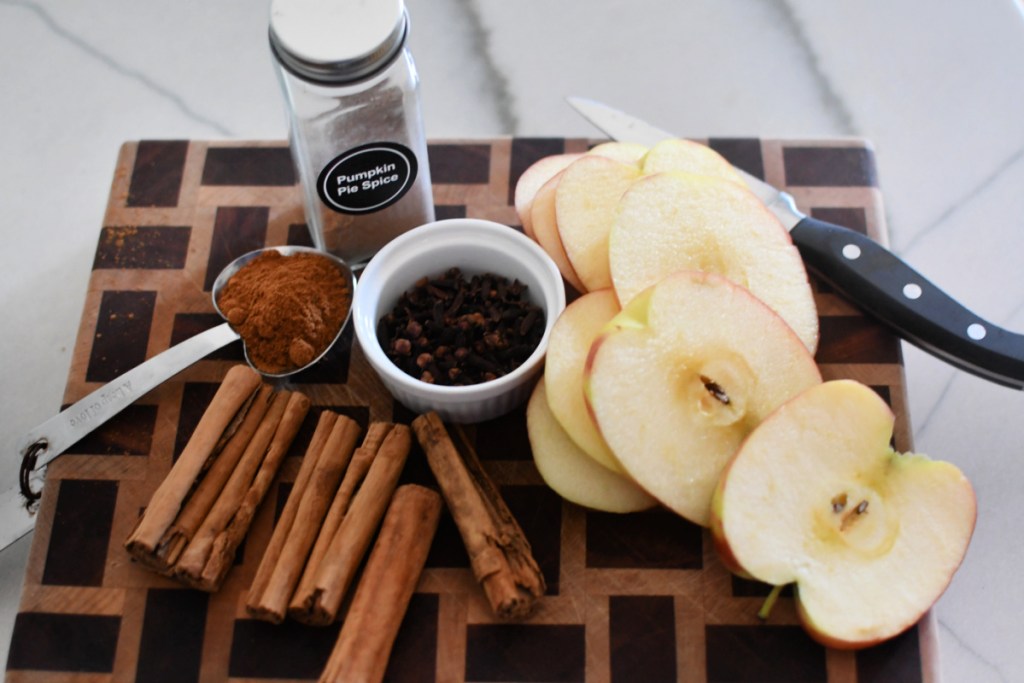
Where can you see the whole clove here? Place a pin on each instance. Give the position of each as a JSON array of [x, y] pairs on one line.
[[456, 330]]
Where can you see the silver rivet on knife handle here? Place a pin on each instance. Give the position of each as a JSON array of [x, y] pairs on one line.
[[901, 298], [866, 272]]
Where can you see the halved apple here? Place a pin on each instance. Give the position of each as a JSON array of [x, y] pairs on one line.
[[545, 231], [677, 154], [568, 345], [586, 201], [817, 496], [681, 221], [682, 375], [570, 472]]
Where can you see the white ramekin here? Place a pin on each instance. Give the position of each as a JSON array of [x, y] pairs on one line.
[[475, 246]]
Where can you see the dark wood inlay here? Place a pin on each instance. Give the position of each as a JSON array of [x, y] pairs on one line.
[[654, 539], [743, 153], [153, 247], [157, 173], [43, 641], [171, 643], [526, 653], [460, 164], [654, 652], [260, 166], [77, 555], [829, 166], [121, 336]]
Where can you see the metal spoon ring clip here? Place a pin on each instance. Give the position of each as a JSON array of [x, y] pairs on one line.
[[54, 436]]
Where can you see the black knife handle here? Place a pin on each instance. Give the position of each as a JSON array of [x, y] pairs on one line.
[[897, 295]]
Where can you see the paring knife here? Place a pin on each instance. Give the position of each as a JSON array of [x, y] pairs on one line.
[[865, 272]]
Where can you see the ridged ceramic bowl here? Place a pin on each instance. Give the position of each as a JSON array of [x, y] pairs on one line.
[[476, 247]]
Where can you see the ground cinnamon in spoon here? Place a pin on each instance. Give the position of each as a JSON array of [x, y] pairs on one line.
[[288, 309]]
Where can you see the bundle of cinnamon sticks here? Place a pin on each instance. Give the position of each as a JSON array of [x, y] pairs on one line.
[[500, 555], [198, 516], [382, 597], [337, 502], [202, 510]]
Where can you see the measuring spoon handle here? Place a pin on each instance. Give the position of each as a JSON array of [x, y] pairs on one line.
[[54, 436]]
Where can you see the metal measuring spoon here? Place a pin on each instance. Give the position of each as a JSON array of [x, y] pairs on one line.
[[54, 436], [243, 260]]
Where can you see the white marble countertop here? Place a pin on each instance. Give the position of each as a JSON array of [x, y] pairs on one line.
[[936, 87]]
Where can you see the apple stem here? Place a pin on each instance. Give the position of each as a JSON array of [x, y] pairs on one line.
[[769, 602]]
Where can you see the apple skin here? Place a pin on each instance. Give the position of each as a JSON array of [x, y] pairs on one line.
[[531, 180], [544, 169], [680, 154], [681, 375], [676, 220], [625, 152], [873, 420], [571, 338], [718, 541], [545, 231], [570, 472], [814, 630], [585, 204]]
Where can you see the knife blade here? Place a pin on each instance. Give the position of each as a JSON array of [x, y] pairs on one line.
[[867, 273]]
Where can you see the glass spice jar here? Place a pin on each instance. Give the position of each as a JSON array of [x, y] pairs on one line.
[[356, 126]]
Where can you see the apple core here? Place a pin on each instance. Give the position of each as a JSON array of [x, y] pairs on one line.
[[858, 518], [719, 389]]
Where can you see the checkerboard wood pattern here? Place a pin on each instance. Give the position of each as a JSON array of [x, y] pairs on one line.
[[631, 598]]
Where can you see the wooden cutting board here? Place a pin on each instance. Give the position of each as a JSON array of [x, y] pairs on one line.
[[632, 598]]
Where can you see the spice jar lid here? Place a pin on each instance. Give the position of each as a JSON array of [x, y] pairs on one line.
[[336, 41]]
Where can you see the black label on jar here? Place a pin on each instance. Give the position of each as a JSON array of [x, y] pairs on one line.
[[367, 178]]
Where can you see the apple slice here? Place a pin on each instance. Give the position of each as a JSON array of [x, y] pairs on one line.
[[682, 375], [817, 496], [625, 152], [570, 472], [691, 157], [681, 221], [545, 231], [568, 345], [586, 200], [546, 168], [532, 179]]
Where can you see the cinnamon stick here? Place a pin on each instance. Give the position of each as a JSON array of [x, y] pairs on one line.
[[206, 560], [224, 414], [320, 605], [382, 597], [193, 558], [273, 602], [272, 552], [499, 552], [222, 555], [354, 475], [212, 483]]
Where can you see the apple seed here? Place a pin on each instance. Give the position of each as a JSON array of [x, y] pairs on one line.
[[853, 515], [715, 390]]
